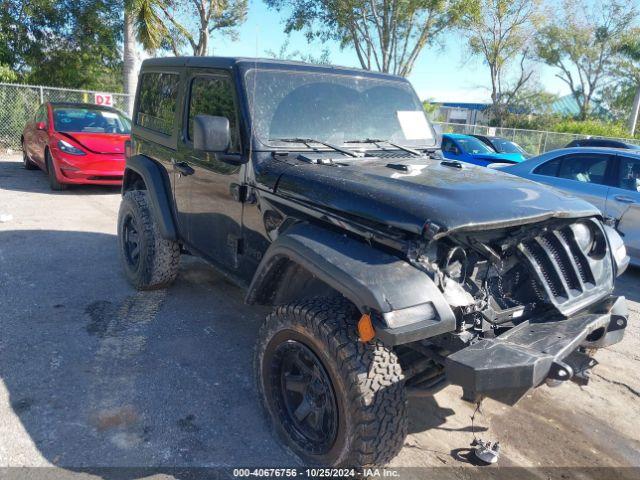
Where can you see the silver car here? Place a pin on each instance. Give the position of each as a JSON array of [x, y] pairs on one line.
[[609, 178]]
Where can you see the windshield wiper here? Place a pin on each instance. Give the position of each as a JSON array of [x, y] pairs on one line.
[[307, 141], [394, 145]]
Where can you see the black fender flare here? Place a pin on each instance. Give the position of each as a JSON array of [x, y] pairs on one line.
[[159, 188], [408, 304]]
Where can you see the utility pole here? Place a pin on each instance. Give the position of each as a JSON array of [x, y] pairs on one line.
[[633, 120]]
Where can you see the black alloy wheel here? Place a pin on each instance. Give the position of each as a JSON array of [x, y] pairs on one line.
[[131, 241], [305, 396]]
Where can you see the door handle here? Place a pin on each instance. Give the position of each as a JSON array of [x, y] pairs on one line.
[[624, 199], [183, 168]]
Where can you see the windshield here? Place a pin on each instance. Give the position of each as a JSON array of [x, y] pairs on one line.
[[505, 146], [473, 145], [90, 120], [334, 108]]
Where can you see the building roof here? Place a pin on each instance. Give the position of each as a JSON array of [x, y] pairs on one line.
[[469, 106]]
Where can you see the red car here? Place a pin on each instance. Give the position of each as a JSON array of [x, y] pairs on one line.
[[76, 143]]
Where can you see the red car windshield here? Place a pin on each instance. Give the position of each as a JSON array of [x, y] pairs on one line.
[[90, 120]]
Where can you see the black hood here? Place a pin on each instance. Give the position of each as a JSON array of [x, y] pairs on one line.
[[428, 191]]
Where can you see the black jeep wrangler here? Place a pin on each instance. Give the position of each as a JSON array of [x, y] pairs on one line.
[[392, 271]]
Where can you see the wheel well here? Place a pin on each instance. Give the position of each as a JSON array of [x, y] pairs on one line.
[[46, 152], [132, 181], [287, 281]]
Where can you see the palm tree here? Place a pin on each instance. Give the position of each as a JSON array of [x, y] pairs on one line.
[[141, 23], [631, 51]]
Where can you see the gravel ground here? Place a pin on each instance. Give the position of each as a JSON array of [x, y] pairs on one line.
[[94, 374]]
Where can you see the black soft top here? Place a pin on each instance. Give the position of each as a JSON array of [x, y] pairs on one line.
[[266, 63]]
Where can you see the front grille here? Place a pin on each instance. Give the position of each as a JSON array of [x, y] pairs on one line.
[[571, 279]]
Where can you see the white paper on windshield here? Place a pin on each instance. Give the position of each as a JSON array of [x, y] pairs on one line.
[[109, 115], [414, 125]]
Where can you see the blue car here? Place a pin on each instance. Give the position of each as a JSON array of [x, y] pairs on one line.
[[469, 149]]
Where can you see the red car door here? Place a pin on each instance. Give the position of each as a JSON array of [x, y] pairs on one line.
[[27, 135], [40, 135]]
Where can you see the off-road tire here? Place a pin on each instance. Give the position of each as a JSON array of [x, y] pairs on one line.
[[28, 164], [366, 378], [159, 259], [54, 184]]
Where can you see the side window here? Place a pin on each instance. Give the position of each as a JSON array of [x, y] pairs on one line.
[[549, 169], [158, 100], [629, 174], [586, 168], [448, 146], [213, 95]]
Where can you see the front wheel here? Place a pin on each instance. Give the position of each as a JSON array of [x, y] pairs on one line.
[[28, 164], [149, 260], [54, 184], [333, 400]]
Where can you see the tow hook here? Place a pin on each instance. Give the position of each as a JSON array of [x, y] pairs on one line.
[[575, 367], [485, 452]]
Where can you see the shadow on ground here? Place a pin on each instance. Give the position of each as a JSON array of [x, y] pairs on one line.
[[100, 375], [35, 181], [630, 286]]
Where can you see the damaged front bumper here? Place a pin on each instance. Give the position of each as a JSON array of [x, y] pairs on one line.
[[506, 367]]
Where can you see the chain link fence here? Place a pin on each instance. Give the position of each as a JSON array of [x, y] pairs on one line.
[[18, 104], [533, 141]]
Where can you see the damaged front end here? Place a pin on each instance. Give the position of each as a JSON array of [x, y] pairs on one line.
[[530, 302]]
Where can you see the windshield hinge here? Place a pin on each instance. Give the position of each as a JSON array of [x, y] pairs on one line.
[[241, 193]]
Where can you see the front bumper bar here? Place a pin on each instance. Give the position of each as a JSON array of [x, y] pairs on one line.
[[506, 367]]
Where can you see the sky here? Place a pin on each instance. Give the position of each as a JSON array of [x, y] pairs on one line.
[[442, 73]]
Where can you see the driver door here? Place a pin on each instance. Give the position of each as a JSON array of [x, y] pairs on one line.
[[623, 202], [206, 209]]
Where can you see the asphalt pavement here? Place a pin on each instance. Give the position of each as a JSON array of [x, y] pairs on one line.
[[94, 374]]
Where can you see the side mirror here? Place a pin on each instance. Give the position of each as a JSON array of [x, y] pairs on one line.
[[211, 134], [41, 126]]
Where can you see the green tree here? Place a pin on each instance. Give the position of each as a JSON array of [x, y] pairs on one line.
[[27, 28], [629, 75], [86, 50], [387, 35], [432, 109], [168, 25], [500, 32], [172, 25], [284, 53], [583, 43], [62, 42]]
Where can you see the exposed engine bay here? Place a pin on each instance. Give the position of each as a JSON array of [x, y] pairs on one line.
[[517, 290], [497, 279]]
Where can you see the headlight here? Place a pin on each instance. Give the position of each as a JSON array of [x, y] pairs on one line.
[[584, 236], [618, 249], [66, 147]]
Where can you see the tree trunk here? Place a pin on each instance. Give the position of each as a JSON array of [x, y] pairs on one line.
[[129, 60], [633, 120]]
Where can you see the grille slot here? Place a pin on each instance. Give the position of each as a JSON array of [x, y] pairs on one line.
[[578, 257]]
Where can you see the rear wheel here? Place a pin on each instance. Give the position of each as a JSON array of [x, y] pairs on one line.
[[28, 164], [149, 260], [51, 173], [332, 399]]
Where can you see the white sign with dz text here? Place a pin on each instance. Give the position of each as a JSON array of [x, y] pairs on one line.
[[104, 99]]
